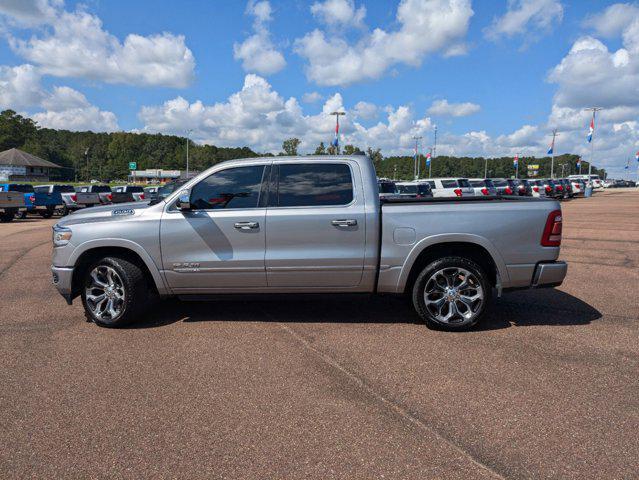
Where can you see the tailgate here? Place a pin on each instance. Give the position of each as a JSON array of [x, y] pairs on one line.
[[48, 199], [11, 199], [84, 198], [122, 197]]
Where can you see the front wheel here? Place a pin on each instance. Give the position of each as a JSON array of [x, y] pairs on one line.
[[451, 293], [114, 293], [48, 213], [7, 216]]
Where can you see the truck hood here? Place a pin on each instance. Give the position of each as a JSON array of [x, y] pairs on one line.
[[107, 213]]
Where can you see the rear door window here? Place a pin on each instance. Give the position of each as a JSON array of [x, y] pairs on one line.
[[463, 183], [449, 183], [313, 185]]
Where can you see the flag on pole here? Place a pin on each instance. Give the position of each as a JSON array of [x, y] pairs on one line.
[[592, 128], [415, 152], [637, 156], [335, 142], [579, 162], [552, 147], [516, 161], [627, 164], [428, 159]]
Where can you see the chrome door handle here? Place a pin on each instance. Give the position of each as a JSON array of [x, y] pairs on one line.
[[344, 223], [247, 225]]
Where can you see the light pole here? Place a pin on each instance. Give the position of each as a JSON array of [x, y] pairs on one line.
[[486, 168], [416, 166], [435, 143], [552, 153], [188, 133], [336, 139], [591, 136]]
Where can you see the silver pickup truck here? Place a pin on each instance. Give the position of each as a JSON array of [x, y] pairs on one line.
[[306, 224]]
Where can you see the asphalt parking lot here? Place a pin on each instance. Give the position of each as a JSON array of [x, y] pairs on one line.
[[330, 387]]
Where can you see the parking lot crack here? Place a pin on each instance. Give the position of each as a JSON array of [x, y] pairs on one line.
[[386, 402]]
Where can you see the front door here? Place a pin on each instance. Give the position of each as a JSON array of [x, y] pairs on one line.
[[220, 243], [315, 226]]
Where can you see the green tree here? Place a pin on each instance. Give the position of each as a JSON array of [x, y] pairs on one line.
[[290, 146], [351, 150], [15, 130], [321, 149]]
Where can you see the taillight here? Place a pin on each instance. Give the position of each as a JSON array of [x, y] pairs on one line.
[[576, 187], [32, 198], [141, 196], [548, 189], [74, 198], [552, 231], [484, 191], [509, 191], [458, 192], [560, 188], [109, 197], [536, 189]]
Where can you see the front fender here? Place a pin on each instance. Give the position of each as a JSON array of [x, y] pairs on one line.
[[123, 243]]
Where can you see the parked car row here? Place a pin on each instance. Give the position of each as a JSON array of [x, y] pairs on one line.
[[46, 200], [558, 188]]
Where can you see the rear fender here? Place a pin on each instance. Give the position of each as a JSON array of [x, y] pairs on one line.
[[502, 271]]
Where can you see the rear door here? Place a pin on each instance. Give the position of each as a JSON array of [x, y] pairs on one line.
[[219, 244], [315, 225]]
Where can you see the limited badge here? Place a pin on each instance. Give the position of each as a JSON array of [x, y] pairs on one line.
[[123, 211]]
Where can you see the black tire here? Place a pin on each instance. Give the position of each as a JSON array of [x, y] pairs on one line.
[[48, 213], [134, 284], [21, 215], [65, 211], [477, 277], [7, 216]]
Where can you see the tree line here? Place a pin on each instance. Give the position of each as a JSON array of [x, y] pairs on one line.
[[106, 156]]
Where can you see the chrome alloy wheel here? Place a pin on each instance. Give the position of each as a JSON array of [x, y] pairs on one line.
[[453, 296], [105, 294]]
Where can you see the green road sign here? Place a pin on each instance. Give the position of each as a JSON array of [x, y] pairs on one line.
[[133, 166]]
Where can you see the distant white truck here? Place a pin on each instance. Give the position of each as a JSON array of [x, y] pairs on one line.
[[451, 187]]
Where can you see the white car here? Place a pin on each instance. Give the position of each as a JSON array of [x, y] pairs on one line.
[[597, 184], [450, 187], [538, 189], [483, 186]]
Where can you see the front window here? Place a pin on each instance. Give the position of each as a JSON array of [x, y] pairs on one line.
[[310, 185], [231, 188]]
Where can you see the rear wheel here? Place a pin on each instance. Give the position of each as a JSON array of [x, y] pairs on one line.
[[21, 215], [114, 293], [451, 293], [7, 216], [48, 213]]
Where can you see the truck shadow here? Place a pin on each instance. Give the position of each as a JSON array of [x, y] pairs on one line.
[[547, 307]]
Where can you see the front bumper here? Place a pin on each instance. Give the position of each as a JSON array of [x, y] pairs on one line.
[[62, 279], [549, 274]]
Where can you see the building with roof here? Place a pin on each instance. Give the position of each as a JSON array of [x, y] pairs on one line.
[[16, 165]]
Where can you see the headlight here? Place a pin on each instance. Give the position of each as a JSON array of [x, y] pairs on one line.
[[61, 236]]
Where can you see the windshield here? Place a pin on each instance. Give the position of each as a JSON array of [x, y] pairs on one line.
[[101, 189], [407, 188]]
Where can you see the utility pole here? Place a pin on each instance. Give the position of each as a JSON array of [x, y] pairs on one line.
[[552, 154], [416, 166], [486, 168], [395, 172], [430, 161], [336, 139], [86, 157], [188, 133], [435, 144], [594, 111]]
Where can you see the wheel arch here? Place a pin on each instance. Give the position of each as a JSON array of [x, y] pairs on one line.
[[81, 259], [481, 252]]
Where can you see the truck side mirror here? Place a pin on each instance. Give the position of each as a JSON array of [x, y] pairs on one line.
[[184, 201]]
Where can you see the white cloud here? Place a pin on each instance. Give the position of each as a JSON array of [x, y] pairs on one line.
[[613, 20], [365, 110], [339, 13], [64, 107], [312, 97], [444, 109], [20, 87], [78, 46], [259, 117], [29, 12], [526, 17], [425, 26], [78, 119], [257, 53]]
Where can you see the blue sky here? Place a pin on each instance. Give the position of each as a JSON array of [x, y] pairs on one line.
[[494, 76]]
